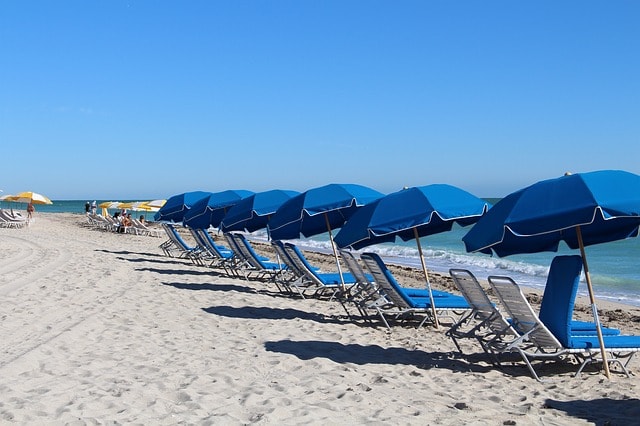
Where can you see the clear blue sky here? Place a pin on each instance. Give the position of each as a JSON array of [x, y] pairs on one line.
[[146, 99]]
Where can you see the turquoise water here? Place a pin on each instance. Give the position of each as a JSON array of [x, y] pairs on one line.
[[614, 266]]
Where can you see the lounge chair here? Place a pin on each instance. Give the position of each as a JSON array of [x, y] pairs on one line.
[[175, 244], [216, 255], [100, 222], [322, 283], [565, 271], [364, 295], [406, 302], [142, 229], [7, 220], [255, 265], [292, 274], [484, 323], [554, 340]]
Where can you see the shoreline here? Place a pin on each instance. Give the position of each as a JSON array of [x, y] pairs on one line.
[[100, 327]]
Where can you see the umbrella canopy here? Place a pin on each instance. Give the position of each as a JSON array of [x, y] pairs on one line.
[[426, 210], [109, 204], [410, 214], [30, 197], [580, 209], [176, 206], [156, 203], [143, 206], [210, 210], [126, 205], [253, 212], [604, 204], [319, 210]]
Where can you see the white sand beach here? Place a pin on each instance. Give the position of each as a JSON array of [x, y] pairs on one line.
[[102, 328]]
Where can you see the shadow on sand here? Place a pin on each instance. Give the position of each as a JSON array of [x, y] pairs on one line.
[[260, 312], [212, 287], [372, 354], [602, 411]]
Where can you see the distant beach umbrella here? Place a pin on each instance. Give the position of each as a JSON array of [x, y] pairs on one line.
[[254, 212], [177, 205], [210, 210]]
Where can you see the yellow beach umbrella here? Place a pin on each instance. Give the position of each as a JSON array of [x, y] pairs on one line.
[[109, 204], [142, 206], [30, 197], [156, 203], [127, 205]]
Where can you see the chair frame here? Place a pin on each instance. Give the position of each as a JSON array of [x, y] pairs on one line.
[[404, 302], [537, 342]]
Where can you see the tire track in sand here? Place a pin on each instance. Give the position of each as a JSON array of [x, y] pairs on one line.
[[24, 328], [28, 262]]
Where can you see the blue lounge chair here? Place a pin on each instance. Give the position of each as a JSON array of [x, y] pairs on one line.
[[364, 295], [208, 250], [554, 340], [322, 283], [292, 274], [564, 273], [484, 322], [253, 264], [175, 243], [409, 301]]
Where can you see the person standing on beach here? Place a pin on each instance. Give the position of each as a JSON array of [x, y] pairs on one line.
[[30, 210], [94, 207], [87, 207]]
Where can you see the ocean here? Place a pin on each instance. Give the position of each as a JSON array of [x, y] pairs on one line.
[[614, 266]]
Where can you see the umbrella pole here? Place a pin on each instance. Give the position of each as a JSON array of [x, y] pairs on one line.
[[335, 252], [594, 308], [426, 277]]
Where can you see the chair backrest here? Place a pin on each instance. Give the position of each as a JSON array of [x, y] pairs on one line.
[[301, 263], [523, 318], [234, 246], [210, 244], [246, 250], [279, 247], [556, 310], [477, 298], [198, 239], [354, 267], [175, 236], [385, 280]]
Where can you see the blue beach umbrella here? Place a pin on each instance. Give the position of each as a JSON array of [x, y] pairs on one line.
[[320, 210], [410, 214], [210, 210], [253, 212], [580, 209], [176, 206]]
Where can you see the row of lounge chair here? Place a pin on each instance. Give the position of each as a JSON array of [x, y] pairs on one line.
[[504, 326], [108, 223], [12, 219]]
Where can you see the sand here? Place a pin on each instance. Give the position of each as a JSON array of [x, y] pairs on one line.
[[102, 328]]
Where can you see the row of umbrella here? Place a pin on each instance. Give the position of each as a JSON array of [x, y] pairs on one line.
[[580, 209], [146, 206]]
